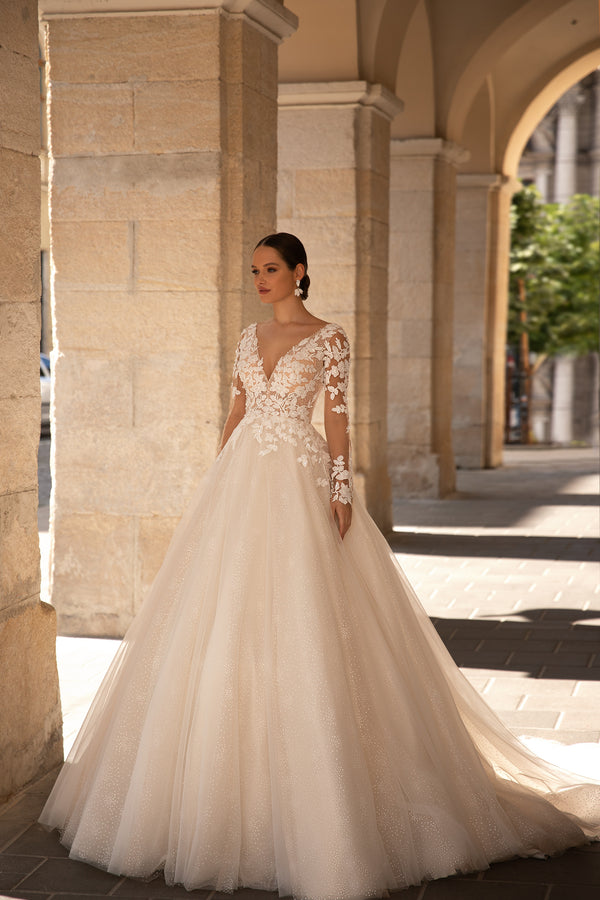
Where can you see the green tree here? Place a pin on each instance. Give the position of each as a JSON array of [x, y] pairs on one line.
[[554, 273]]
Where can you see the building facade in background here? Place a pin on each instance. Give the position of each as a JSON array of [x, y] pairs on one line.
[[562, 156]]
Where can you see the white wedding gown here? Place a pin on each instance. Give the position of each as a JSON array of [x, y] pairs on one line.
[[282, 714]]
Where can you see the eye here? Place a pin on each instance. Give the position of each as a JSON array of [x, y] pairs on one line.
[[272, 269], [254, 271]]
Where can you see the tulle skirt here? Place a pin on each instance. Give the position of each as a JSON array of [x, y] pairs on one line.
[[282, 715]]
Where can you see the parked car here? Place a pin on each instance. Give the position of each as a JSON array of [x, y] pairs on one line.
[[45, 390]]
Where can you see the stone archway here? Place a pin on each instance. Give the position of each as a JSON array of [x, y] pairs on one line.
[[521, 70], [538, 106]]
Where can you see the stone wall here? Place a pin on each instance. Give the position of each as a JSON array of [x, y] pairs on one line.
[[30, 716]]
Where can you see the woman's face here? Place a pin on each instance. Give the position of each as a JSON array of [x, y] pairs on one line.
[[272, 278]]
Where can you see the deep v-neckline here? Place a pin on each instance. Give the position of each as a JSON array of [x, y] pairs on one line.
[[283, 355]]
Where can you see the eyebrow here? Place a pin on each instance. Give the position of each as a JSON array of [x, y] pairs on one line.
[[266, 264]]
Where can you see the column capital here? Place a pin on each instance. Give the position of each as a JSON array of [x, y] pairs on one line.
[[340, 93], [488, 180], [429, 148], [269, 15], [491, 181], [509, 185]]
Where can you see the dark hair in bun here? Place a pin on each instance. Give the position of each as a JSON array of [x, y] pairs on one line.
[[291, 251]]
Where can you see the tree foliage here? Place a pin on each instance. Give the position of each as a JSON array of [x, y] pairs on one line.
[[555, 255]]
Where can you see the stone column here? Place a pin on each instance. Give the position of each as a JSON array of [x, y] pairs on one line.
[[30, 715], [543, 172], [334, 143], [561, 423], [496, 318], [164, 166], [471, 297], [565, 173], [422, 220]]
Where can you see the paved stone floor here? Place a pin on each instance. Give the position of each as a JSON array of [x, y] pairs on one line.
[[509, 570]]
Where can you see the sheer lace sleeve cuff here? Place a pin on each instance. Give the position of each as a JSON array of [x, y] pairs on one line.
[[341, 480], [336, 370]]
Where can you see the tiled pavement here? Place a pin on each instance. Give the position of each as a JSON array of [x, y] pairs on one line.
[[510, 572]]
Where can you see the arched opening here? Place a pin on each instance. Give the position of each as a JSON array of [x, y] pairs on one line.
[[496, 105], [535, 110], [552, 376]]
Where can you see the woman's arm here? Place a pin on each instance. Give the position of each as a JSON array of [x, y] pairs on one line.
[[234, 417], [336, 369], [237, 405]]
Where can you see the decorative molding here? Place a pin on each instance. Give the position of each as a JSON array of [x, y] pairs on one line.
[[340, 93], [489, 180], [428, 148], [270, 16], [510, 185]]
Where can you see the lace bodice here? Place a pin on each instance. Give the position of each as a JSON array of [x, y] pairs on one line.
[[280, 408]]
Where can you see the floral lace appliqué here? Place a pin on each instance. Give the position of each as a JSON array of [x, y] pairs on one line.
[[279, 409], [341, 481]]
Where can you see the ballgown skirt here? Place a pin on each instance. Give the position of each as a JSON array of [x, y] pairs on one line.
[[282, 714]]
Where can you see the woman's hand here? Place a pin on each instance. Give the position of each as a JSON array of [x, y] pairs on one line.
[[342, 515]]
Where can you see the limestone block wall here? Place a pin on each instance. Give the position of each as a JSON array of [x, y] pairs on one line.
[[422, 224], [334, 194], [163, 177], [30, 715]]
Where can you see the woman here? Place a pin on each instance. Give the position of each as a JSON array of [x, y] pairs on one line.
[[281, 713]]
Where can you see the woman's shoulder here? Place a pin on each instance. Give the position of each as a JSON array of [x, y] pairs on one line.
[[248, 331], [332, 331]]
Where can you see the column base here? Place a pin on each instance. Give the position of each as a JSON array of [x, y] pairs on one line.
[[413, 473], [30, 712]]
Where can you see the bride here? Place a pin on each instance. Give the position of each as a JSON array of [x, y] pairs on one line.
[[281, 713]]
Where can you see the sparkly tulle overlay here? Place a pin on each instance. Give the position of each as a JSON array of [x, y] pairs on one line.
[[281, 713]]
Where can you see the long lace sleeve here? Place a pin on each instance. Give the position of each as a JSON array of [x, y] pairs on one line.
[[336, 370], [237, 388]]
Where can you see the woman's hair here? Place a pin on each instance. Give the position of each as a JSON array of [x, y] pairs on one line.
[[291, 251]]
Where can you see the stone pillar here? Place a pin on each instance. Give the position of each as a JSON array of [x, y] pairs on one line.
[[496, 318], [422, 219], [565, 173], [471, 296], [334, 143], [543, 172], [30, 716], [561, 423], [164, 166]]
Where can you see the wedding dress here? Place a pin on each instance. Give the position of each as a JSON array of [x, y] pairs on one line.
[[281, 713]]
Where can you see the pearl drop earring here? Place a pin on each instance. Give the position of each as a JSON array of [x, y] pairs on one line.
[[298, 291]]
